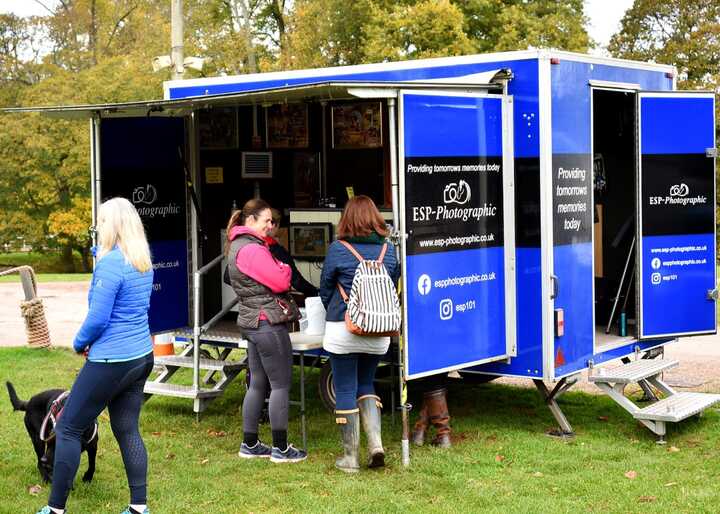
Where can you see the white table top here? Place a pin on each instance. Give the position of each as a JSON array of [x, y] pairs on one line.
[[302, 342]]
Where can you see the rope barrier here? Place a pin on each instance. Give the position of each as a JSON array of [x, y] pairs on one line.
[[32, 311]]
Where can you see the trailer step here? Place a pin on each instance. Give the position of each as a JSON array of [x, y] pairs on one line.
[[677, 407], [179, 391], [632, 372], [208, 364], [223, 334]]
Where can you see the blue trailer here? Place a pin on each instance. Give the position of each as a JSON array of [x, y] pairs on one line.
[[552, 211]]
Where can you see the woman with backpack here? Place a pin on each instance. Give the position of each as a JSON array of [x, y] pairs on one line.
[[261, 283], [354, 358]]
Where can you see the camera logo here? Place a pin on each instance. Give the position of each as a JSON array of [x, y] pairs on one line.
[[446, 309], [655, 278], [457, 192], [146, 195], [681, 190], [424, 284]]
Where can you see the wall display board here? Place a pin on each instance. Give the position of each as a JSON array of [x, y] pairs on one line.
[[140, 162], [287, 126], [676, 250], [457, 175], [357, 125], [218, 128]]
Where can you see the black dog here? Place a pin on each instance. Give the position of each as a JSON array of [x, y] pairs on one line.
[[36, 409]]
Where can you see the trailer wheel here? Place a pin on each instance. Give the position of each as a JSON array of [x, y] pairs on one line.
[[325, 386]]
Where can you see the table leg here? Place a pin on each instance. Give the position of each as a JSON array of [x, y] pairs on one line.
[[302, 399]]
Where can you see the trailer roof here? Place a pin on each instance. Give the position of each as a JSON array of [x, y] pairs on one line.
[[333, 90], [252, 80]]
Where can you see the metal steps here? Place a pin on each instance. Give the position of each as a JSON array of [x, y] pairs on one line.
[[179, 391], [678, 407], [633, 371], [675, 407], [206, 364], [209, 388]]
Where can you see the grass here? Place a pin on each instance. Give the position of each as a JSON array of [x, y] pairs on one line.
[[501, 461], [51, 277], [41, 262]]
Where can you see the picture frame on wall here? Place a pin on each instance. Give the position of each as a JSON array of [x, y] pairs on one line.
[[286, 126], [309, 241], [357, 125], [218, 128]]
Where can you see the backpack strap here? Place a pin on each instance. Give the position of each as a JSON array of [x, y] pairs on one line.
[[359, 257], [351, 249]]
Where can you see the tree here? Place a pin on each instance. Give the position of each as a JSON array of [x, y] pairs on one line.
[[685, 33], [429, 28]]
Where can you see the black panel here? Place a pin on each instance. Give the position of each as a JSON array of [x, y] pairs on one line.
[[572, 190], [677, 194], [527, 202], [458, 208]]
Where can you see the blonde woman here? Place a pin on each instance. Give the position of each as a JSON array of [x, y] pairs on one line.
[[116, 339]]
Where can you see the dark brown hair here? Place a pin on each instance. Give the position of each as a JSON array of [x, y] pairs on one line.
[[252, 208], [360, 219]]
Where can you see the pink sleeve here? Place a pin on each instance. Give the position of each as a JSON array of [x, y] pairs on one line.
[[257, 262]]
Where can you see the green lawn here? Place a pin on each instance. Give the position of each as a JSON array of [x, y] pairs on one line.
[[51, 277], [501, 461]]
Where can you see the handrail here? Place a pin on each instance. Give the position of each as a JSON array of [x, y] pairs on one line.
[[200, 329]]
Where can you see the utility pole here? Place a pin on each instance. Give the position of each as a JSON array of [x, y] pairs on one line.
[[176, 40]]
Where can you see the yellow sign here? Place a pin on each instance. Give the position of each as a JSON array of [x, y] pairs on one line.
[[214, 175], [350, 192]]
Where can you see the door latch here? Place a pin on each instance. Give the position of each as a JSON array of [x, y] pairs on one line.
[[711, 152], [555, 286], [712, 294]]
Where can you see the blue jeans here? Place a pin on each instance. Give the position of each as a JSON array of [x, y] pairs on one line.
[[353, 376]]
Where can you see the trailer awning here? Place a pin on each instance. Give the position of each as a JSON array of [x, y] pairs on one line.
[[322, 91]]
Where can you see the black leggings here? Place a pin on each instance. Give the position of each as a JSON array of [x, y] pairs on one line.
[[119, 387], [270, 361]]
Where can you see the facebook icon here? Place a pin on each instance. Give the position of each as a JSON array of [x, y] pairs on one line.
[[424, 284]]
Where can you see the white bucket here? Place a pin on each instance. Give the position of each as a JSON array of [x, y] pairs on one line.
[[315, 316]]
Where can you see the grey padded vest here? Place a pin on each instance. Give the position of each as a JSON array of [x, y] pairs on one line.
[[253, 296]]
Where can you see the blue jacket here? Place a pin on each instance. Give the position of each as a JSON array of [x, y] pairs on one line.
[[340, 266], [116, 327]]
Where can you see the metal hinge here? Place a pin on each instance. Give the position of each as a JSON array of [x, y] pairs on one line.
[[711, 152], [712, 294]]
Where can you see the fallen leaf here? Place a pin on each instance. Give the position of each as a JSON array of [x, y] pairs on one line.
[[670, 484], [156, 434], [499, 458], [603, 418], [170, 456], [216, 433], [647, 499], [632, 475], [34, 490], [204, 461], [673, 449], [537, 474]]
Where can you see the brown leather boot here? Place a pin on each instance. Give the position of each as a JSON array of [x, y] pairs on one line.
[[418, 434], [439, 417]]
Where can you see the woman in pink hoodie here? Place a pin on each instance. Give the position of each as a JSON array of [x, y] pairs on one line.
[[261, 283]]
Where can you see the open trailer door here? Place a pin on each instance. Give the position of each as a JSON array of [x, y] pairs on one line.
[[141, 159], [676, 219], [456, 196]]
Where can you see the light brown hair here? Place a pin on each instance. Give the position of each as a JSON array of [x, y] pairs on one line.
[[252, 207], [360, 218]]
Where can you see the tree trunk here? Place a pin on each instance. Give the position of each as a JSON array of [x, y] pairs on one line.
[[86, 260], [68, 264]]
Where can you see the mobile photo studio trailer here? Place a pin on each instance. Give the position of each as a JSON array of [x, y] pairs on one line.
[[552, 211]]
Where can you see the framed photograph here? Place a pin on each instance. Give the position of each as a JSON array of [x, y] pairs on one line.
[[218, 128], [309, 241], [286, 126], [357, 125]]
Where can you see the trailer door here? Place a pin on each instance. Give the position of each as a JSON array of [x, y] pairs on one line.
[[141, 160], [456, 197], [676, 214]]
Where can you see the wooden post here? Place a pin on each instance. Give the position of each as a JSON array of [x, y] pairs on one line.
[[27, 283]]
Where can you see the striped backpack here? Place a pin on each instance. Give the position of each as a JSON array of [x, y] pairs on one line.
[[373, 307]]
